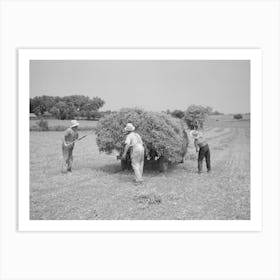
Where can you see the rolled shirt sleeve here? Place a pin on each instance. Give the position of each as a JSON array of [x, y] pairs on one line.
[[127, 140]]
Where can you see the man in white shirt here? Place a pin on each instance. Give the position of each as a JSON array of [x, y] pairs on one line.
[[202, 147], [68, 143], [134, 140]]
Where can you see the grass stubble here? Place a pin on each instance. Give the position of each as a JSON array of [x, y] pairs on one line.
[[97, 189]]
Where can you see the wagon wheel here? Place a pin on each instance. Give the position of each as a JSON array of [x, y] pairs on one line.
[[162, 164], [124, 164]]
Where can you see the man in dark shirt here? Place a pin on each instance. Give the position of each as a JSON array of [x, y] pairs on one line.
[[70, 135], [203, 150]]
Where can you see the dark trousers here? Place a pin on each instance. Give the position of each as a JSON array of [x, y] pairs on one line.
[[67, 154], [204, 152]]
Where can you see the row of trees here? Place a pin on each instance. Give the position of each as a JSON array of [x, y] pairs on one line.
[[80, 106], [67, 107]]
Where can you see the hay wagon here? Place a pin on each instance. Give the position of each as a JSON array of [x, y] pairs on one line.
[[152, 159], [164, 137]]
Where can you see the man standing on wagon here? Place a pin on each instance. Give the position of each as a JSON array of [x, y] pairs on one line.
[[70, 135], [134, 140]]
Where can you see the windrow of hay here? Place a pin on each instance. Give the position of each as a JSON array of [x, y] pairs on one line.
[[162, 134]]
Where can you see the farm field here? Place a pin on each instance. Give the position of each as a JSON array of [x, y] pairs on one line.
[[98, 189], [63, 124]]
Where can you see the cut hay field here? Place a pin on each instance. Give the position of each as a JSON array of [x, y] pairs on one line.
[[98, 189], [60, 125]]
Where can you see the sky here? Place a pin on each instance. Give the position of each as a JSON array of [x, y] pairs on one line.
[[152, 85]]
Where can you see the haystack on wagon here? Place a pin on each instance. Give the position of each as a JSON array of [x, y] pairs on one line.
[[165, 137]]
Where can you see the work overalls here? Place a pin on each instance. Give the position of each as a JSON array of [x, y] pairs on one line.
[[137, 155], [204, 152], [67, 151]]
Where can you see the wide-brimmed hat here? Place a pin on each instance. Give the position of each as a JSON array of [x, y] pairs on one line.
[[74, 123], [195, 134], [129, 127]]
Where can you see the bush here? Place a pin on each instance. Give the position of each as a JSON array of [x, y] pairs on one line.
[[162, 134], [178, 114], [237, 116], [96, 115], [43, 124]]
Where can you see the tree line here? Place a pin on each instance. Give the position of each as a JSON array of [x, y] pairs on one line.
[[81, 106], [67, 107]]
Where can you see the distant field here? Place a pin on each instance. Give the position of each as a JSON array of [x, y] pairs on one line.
[[228, 117], [227, 120], [98, 189], [59, 125]]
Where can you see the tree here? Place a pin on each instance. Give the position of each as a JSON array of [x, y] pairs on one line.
[[31, 105], [209, 110], [61, 108], [39, 110], [178, 114], [67, 107], [237, 116], [37, 106], [195, 116], [48, 101], [91, 107], [55, 112], [216, 113], [41, 104], [82, 113]]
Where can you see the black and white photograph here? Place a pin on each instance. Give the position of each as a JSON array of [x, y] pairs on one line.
[[145, 139], [139, 140]]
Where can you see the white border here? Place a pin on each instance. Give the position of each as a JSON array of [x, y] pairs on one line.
[[24, 57]]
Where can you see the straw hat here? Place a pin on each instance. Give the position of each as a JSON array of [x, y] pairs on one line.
[[129, 127], [74, 123]]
